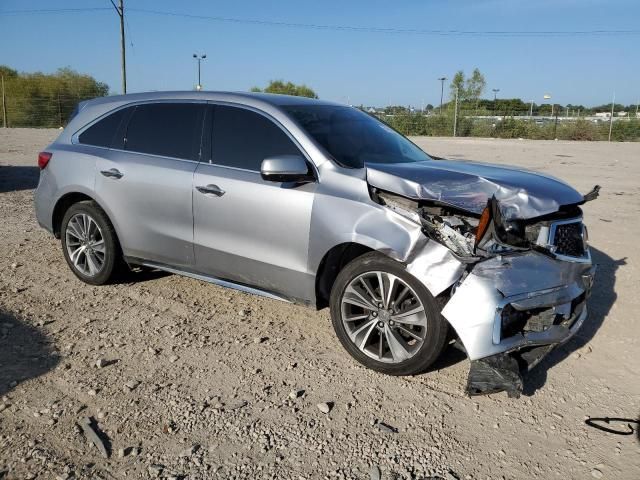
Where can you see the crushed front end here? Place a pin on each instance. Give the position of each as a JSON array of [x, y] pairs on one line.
[[511, 310], [521, 284]]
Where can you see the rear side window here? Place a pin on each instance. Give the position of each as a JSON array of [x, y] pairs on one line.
[[101, 134], [167, 129], [242, 138]]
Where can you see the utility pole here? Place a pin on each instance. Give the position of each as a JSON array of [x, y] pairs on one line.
[[613, 102], [455, 115], [495, 98], [4, 105], [531, 109], [120, 12], [442, 80]]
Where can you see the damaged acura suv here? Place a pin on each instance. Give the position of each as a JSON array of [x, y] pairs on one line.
[[317, 203]]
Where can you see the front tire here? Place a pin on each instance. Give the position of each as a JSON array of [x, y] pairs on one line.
[[89, 243], [385, 318]]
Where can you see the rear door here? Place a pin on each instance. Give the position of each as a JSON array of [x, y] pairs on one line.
[[247, 229], [145, 181]]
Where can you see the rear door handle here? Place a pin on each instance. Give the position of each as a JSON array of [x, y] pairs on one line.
[[112, 173], [211, 189]]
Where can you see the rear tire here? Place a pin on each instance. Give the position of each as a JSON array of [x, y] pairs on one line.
[[89, 243], [399, 332]]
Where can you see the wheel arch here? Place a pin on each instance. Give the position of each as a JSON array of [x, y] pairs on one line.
[[332, 262], [65, 202]]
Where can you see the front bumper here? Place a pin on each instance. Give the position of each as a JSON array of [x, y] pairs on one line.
[[546, 297]]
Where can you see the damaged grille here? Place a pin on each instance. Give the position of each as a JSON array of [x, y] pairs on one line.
[[568, 239]]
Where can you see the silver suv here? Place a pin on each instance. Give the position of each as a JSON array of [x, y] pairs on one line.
[[314, 202]]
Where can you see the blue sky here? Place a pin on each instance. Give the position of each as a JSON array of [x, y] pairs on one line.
[[358, 67]]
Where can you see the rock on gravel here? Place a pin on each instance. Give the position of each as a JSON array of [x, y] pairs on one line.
[[374, 473]]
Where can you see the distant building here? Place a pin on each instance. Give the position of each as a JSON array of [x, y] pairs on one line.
[[622, 114], [603, 114]]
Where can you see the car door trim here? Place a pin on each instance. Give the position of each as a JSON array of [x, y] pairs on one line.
[[211, 279]]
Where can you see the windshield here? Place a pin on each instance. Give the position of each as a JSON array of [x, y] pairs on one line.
[[353, 137]]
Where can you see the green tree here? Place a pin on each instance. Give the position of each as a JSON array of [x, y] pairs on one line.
[[7, 72], [47, 100], [469, 89], [288, 88], [458, 85], [475, 86]]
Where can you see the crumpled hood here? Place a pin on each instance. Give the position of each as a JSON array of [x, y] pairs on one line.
[[522, 194]]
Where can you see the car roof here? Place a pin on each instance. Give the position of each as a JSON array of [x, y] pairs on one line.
[[276, 100]]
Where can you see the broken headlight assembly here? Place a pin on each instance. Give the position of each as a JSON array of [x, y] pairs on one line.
[[470, 238]]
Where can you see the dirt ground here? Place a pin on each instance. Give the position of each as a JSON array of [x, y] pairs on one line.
[[195, 381]]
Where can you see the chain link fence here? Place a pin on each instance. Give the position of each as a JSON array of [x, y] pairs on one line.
[[469, 123], [51, 111]]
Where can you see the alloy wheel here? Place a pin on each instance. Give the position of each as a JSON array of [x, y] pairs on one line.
[[85, 244], [383, 316]]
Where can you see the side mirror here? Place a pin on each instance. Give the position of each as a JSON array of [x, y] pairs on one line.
[[285, 168]]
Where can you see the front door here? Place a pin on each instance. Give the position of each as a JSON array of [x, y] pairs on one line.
[[246, 229]]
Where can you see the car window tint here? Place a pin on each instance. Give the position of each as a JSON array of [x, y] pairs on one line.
[[167, 129], [102, 132], [242, 138]]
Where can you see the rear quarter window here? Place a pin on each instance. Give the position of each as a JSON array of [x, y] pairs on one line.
[[102, 133]]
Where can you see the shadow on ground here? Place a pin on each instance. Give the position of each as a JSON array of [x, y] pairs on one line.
[[15, 178], [139, 275], [25, 352], [602, 298]]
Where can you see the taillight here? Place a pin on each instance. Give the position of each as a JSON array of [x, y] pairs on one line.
[[43, 159]]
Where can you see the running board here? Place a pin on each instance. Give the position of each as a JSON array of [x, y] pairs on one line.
[[217, 281]]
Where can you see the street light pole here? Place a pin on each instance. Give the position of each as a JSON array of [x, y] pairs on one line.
[[199, 58], [442, 80]]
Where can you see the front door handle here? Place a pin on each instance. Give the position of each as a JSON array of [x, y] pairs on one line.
[[212, 189], [112, 173]]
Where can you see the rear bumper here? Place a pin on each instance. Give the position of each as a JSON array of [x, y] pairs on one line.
[[511, 311], [43, 203]]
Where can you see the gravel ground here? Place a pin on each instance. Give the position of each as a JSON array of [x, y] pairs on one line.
[[183, 379]]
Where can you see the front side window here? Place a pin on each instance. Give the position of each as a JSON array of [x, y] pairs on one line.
[[243, 139], [102, 133], [167, 129], [354, 138]]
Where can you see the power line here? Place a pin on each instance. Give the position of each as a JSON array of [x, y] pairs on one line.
[[362, 29], [387, 30], [45, 11]]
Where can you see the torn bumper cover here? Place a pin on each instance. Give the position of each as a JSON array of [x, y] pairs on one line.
[[523, 306]]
